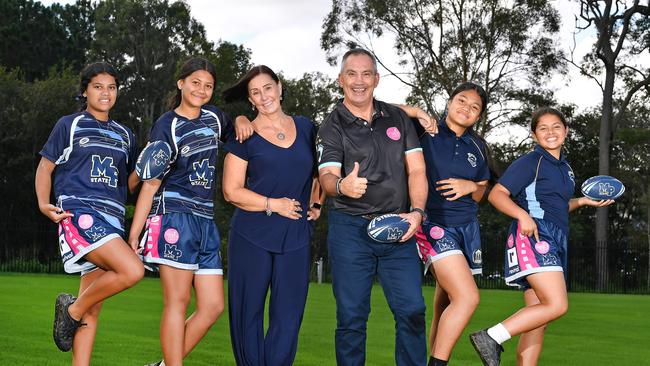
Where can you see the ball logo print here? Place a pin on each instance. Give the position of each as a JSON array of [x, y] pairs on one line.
[[387, 228], [602, 187]]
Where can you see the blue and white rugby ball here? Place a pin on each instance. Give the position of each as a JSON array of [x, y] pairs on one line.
[[602, 187], [153, 160], [388, 228]]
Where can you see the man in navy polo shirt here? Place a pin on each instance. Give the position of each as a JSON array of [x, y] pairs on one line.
[[371, 163]]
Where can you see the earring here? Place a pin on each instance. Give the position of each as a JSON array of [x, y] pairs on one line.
[[281, 97], [252, 107]]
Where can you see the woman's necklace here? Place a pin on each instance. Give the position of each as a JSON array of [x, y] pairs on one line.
[[280, 136]]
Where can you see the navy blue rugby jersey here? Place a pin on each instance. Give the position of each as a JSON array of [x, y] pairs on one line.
[[93, 161], [449, 156], [189, 181], [542, 185]]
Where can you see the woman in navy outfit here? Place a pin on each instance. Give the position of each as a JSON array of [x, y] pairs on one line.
[[270, 179]]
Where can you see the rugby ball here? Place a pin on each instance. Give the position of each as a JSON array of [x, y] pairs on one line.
[[388, 228], [602, 187], [153, 160]]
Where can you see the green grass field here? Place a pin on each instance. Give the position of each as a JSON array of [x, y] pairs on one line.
[[598, 330]]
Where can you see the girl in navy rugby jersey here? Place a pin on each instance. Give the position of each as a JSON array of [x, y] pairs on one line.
[[449, 239], [181, 238], [536, 192], [92, 158]]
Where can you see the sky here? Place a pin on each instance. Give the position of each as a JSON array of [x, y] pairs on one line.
[[285, 35]]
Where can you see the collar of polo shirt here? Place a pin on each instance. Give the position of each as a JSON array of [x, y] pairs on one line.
[[550, 157], [348, 117], [443, 124]]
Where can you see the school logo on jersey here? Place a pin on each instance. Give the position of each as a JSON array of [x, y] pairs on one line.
[[572, 176], [472, 159], [103, 171], [203, 174]]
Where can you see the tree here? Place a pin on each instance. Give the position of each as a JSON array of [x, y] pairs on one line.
[[508, 47], [146, 41], [312, 96], [623, 39], [34, 37], [29, 112]]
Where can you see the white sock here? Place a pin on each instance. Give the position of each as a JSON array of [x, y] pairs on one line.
[[162, 363], [499, 333]]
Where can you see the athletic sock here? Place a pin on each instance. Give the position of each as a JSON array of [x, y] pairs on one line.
[[436, 362], [499, 333]]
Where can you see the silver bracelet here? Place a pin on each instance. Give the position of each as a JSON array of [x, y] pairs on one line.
[[338, 187], [267, 207]]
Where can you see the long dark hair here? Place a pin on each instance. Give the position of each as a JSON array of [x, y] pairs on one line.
[[239, 91], [495, 172], [191, 65], [89, 72]]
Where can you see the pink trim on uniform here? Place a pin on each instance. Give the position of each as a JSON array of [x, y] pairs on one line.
[[525, 253], [74, 240], [153, 233]]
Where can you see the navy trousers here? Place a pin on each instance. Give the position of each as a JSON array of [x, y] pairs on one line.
[[355, 259], [251, 272]]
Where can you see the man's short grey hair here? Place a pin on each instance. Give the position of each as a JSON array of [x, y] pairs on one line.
[[356, 52]]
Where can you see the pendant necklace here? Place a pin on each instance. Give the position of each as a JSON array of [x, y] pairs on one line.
[[280, 136]]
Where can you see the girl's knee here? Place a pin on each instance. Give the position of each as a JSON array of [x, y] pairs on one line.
[[559, 307], [472, 299], [134, 274], [211, 311]]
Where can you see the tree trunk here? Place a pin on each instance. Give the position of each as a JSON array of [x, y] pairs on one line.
[[602, 219]]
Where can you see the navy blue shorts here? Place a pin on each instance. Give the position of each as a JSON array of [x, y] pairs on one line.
[[436, 241], [183, 241], [81, 234], [525, 255]]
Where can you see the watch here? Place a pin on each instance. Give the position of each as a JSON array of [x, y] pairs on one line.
[[421, 212], [316, 205]]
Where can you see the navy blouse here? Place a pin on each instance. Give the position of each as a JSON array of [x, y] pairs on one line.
[[277, 172]]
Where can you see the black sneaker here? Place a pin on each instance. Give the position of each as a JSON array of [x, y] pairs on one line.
[[486, 347], [64, 325]]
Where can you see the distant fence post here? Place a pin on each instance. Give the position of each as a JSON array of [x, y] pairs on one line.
[[319, 270]]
